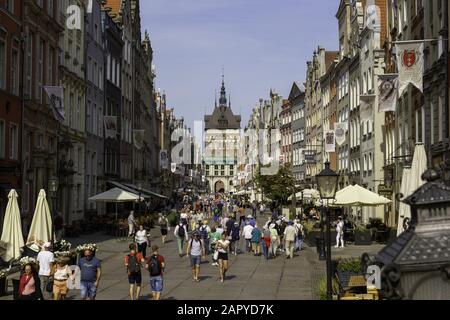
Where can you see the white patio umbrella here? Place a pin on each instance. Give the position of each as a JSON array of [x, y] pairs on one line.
[[358, 196], [41, 229], [418, 167], [116, 195], [12, 229], [403, 208]]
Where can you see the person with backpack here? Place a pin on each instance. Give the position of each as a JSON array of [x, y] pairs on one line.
[[299, 235], [234, 238], [181, 235], [204, 231], [133, 263], [155, 264], [196, 251]]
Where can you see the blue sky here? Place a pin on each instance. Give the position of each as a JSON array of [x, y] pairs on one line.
[[261, 44]]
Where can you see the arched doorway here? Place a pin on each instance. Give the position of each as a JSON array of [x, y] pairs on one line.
[[219, 187]]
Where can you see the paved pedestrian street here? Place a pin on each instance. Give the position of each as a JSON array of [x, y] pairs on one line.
[[249, 277]]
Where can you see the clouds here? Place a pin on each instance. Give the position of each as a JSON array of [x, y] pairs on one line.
[[261, 44]]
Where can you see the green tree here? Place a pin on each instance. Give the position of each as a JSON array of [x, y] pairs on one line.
[[278, 187]]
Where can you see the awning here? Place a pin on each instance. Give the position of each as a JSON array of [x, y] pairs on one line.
[[145, 191], [134, 189], [116, 195]]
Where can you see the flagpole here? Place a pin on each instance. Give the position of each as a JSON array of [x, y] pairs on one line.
[[415, 41]]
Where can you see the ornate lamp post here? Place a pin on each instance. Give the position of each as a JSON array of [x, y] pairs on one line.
[[327, 181], [53, 185]]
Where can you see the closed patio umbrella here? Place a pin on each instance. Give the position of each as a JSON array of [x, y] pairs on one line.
[[403, 207], [12, 229], [414, 182], [41, 229]]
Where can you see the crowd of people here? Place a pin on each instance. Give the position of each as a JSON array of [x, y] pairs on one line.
[[214, 227]]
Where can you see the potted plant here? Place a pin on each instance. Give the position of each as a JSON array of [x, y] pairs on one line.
[[321, 288], [3, 275], [363, 237]]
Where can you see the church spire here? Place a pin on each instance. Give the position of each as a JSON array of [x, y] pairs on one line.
[[223, 94]]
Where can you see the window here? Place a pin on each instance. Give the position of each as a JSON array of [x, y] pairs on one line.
[[108, 67], [14, 144], [100, 79], [29, 65], [2, 64], [2, 139], [15, 72], [50, 7], [51, 55], [40, 79], [440, 119], [10, 5]]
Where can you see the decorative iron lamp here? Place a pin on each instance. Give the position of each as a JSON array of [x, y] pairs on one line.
[[327, 181], [416, 266]]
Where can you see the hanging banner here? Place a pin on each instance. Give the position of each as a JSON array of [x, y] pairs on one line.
[[164, 159], [330, 141], [173, 167], [410, 62], [56, 97], [339, 132], [366, 111], [138, 139], [388, 92], [110, 127]]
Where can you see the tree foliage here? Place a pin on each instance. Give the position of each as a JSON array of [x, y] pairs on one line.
[[277, 187]]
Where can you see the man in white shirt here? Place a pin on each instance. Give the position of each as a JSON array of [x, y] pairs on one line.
[[45, 259], [247, 232], [289, 238]]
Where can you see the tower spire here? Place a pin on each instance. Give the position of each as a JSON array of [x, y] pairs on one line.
[[223, 93]]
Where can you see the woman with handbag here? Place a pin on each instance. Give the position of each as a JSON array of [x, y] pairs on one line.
[[222, 247], [30, 285], [214, 236]]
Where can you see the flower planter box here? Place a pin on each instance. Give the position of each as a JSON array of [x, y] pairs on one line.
[[363, 238]]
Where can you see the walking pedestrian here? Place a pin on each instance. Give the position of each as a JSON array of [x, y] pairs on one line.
[[235, 237], [133, 263], [266, 242], [222, 247], [256, 240], [164, 226], [45, 259], [214, 236], [30, 286], [156, 266], [247, 233], [91, 273], [61, 274], [204, 231], [274, 241], [181, 234], [196, 251], [142, 240], [340, 233], [289, 239], [299, 235], [131, 224]]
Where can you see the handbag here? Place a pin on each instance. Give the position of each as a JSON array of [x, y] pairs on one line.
[[216, 255], [49, 286]]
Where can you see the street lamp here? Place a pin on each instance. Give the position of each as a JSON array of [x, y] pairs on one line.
[[327, 182], [53, 185]]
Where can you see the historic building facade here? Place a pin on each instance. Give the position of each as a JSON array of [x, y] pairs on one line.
[[297, 100], [11, 69], [95, 99], [222, 136]]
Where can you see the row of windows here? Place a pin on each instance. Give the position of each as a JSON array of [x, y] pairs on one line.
[[299, 114], [95, 73], [298, 135]]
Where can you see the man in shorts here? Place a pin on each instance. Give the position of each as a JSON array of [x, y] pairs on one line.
[[155, 265], [133, 262], [91, 272], [196, 251]]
